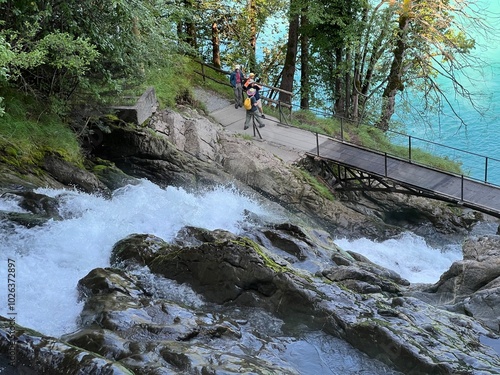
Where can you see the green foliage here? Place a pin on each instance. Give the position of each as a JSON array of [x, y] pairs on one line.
[[172, 81], [318, 186], [87, 52], [6, 56], [237, 23], [215, 81], [308, 120], [53, 65], [27, 131], [61, 53]]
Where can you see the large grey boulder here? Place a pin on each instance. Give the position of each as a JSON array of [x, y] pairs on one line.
[[405, 332]]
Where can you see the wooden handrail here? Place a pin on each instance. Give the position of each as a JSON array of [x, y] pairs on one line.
[[228, 73]]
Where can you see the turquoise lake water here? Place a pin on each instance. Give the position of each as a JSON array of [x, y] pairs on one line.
[[481, 133], [476, 144]]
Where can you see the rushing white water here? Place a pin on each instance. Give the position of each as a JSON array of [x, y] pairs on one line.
[[50, 259], [409, 255]]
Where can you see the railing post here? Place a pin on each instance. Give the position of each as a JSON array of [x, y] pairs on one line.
[[385, 162], [317, 144], [462, 190], [342, 129], [409, 148], [203, 72], [486, 169]]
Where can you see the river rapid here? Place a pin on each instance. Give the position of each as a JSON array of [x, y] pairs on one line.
[[52, 258]]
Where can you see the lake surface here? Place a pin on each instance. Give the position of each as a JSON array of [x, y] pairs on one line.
[[481, 132]]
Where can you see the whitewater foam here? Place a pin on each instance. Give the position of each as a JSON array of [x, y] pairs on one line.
[[409, 255], [50, 259]]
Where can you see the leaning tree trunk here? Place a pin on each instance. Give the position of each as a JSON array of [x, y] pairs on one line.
[[290, 60], [305, 90], [394, 81]]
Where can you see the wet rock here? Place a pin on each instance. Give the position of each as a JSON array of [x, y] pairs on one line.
[[232, 270], [136, 248], [41, 208], [224, 271], [24, 219], [111, 176], [472, 285], [40, 354], [38, 204], [98, 340], [236, 271], [192, 236], [288, 244], [361, 280], [72, 176], [155, 336]]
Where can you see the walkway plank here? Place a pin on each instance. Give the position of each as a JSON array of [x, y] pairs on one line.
[[471, 193]]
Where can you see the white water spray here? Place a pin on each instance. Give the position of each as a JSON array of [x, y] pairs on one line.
[[409, 255], [50, 259]]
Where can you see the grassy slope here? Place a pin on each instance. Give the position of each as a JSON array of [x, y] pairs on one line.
[[29, 130]]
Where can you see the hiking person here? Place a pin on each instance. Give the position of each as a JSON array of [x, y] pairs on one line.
[[251, 83], [253, 111], [236, 80]]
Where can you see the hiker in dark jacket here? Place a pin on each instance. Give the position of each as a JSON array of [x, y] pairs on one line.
[[236, 80], [253, 112]]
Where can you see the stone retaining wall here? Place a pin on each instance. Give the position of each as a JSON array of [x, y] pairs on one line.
[[142, 110]]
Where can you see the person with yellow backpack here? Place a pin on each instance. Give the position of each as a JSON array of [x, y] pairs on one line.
[[250, 104], [251, 83]]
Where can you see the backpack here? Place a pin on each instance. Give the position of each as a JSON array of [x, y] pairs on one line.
[[245, 84], [247, 104]]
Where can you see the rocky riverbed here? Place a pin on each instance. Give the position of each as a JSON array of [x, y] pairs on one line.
[[286, 274]]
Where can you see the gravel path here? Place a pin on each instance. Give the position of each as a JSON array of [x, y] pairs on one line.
[[212, 100]]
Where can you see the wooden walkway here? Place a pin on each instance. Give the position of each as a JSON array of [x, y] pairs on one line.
[[422, 180], [288, 143]]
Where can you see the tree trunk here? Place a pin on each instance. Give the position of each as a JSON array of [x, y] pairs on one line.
[[191, 27], [215, 46], [394, 80], [252, 60], [356, 89], [348, 88], [304, 63], [339, 103], [290, 59]]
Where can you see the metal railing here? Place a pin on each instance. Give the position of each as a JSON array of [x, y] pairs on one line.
[[473, 165], [460, 189], [280, 106]]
